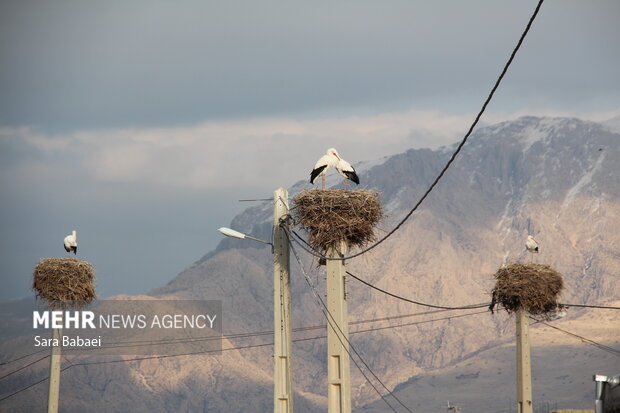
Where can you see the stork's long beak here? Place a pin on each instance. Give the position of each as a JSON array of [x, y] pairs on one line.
[[336, 155]]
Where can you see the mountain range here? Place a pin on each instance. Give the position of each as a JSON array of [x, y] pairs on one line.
[[555, 178]]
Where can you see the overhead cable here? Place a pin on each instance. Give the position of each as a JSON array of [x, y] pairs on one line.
[[456, 152]]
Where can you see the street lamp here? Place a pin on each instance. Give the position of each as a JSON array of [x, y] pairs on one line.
[[282, 337], [236, 234]]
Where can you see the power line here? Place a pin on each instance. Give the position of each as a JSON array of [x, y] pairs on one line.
[[308, 328], [296, 237], [135, 343], [467, 307], [301, 329], [422, 322], [603, 347], [416, 206], [256, 334], [604, 307], [342, 336], [24, 366], [22, 357], [134, 359], [206, 352], [472, 306], [458, 149]]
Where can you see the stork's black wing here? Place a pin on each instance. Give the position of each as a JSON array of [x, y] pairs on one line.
[[352, 176], [316, 172]]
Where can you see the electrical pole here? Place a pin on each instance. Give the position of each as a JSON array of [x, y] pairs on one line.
[[338, 363], [54, 384], [524, 367], [282, 377]]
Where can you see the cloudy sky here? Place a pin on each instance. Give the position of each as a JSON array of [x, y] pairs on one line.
[[141, 123]]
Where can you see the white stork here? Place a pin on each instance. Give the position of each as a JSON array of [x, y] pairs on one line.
[[531, 245], [332, 159], [70, 243]]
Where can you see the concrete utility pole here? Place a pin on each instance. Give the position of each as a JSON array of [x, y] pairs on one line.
[[524, 367], [54, 385], [338, 363], [283, 342]]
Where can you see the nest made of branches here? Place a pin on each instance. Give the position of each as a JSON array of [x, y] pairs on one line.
[[334, 215], [532, 287], [64, 282]]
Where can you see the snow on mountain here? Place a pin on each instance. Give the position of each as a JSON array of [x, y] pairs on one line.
[[553, 177], [613, 124], [556, 178]]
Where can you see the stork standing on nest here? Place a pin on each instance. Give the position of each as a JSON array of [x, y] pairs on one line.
[[70, 243], [332, 159], [531, 245]]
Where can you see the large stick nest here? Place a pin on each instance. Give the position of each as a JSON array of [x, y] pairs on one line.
[[64, 282], [532, 287], [334, 215]]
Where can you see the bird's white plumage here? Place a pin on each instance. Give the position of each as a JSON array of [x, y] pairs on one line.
[[344, 166], [329, 160], [70, 242], [332, 159], [531, 244]]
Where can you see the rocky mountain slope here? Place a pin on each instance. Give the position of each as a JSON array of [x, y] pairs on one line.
[[556, 178], [562, 370]]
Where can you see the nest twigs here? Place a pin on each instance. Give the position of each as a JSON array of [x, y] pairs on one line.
[[333, 215], [532, 287], [64, 282]]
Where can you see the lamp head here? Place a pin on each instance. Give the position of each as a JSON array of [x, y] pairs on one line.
[[231, 233]]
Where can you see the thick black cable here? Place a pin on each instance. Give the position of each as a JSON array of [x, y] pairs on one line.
[[467, 307], [297, 236], [458, 149]]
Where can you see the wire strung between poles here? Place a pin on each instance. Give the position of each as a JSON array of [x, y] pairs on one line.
[[466, 307], [600, 346], [340, 335], [456, 152], [603, 307], [254, 345]]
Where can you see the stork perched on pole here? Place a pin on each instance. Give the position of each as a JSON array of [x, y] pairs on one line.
[[70, 243], [332, 159], [531, 245]]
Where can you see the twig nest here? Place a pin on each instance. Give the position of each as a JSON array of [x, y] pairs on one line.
[[533, 287], [334, 215], [64, 282]]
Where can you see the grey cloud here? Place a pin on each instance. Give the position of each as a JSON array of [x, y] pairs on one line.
[[75, 65]]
